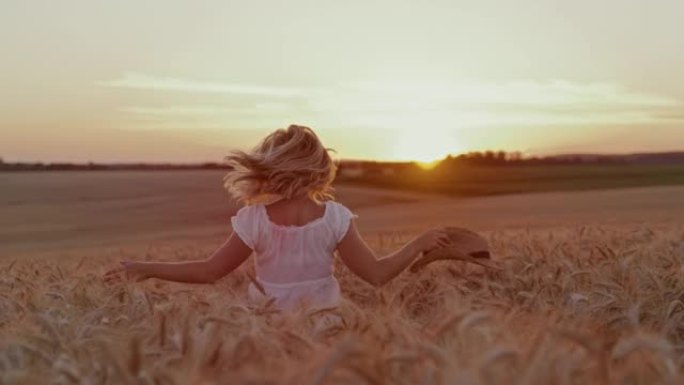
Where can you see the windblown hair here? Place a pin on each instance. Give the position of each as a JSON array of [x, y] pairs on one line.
[[288, 163]]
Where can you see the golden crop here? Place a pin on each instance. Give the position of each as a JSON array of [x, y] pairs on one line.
[[597, 305]]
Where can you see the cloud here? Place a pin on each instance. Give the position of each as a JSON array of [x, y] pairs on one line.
[[146, 82], [207, 110], [405, 104], [486, 104], [514, 93]]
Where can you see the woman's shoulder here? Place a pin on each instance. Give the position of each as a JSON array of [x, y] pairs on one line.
[[338, 209], [340, 218], [250, 211]]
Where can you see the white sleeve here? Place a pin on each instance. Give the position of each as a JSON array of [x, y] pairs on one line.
[[245, 225], [341, 220]]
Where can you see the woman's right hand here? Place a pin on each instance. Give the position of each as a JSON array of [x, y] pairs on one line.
[[432, 239], [128, 270]]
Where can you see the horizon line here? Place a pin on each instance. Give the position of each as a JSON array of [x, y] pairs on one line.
[[210, 162]]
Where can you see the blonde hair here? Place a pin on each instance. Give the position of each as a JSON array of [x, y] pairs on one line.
[[288, 163]]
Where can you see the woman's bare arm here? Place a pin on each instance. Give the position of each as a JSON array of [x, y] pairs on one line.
[[224, 260], [362, 261]]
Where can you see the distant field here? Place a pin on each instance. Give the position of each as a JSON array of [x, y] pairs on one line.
[[52, 211], [56, 211], [512, 179]]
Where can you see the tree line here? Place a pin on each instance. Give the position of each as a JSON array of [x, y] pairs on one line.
[[475, 158]]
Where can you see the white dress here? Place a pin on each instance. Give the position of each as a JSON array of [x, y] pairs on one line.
[[294, 264]]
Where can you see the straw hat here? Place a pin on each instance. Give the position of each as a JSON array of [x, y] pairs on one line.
[[465, 245]]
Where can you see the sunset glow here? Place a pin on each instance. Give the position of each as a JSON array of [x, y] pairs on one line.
[[425, 144], [186, 83]]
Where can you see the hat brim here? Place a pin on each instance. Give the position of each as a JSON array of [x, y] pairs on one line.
[[464, 245]]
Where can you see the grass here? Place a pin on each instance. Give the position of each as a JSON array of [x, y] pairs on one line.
[[585, 305], [492, 180]]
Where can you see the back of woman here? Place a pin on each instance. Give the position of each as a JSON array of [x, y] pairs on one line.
[[294, 260]]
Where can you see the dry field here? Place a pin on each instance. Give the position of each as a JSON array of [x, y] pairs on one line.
[[591, 291]]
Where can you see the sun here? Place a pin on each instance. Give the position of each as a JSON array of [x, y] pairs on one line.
[[428, 165], [426, 147]]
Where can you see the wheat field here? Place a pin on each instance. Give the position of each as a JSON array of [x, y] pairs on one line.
[[601, 303]]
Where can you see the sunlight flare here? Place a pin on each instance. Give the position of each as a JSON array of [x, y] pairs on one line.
[[424, 145]]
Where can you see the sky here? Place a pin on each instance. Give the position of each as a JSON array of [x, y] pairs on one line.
[[182, 81]]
